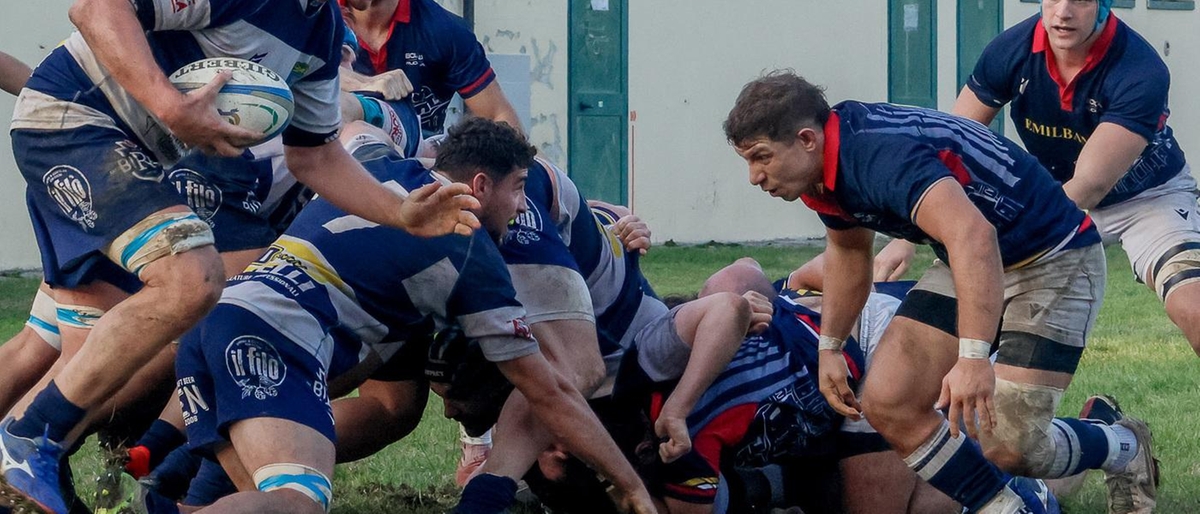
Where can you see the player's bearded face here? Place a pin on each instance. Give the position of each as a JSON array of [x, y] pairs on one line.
[[501, 201]]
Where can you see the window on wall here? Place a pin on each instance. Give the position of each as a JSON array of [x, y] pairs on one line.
[[1174, 5]]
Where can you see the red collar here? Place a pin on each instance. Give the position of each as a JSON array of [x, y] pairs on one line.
[[825, 202], [379, 56], [1066, 90]]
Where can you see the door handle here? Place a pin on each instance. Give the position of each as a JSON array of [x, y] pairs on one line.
[[583, 106]]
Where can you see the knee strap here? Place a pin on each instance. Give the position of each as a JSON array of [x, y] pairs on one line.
[[1178, 266], [43, 319], [156, 237], [77, 316], [297, 477], [1025, 413]]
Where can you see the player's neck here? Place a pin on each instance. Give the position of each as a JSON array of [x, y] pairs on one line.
[[1071, 61], [373, 24]]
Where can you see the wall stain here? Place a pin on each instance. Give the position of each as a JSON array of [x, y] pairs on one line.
[[543, 64], [550, 147]]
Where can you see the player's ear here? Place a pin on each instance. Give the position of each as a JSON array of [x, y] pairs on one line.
[[481, 183], [807, 137]]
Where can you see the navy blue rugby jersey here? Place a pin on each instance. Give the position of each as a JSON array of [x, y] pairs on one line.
[[560, 230], [342, 286], [438, 53], [880, 159], [1124, 82], [297, 40]]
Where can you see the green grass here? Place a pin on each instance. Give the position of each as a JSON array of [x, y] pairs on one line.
[[1134, 354]]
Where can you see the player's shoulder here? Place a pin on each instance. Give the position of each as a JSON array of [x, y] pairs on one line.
[[1135, 58]]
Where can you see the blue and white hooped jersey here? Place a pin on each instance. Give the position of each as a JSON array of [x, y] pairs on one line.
[[1124, 82], [342, 286], [881, 159], [438, 53], [560, 230], [298, 40]]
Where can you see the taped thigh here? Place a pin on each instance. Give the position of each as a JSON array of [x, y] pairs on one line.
[[77, 316], [1178, 266], [1032, 351], [43, 319], [1024, 413], [158, 236], [297, 477]]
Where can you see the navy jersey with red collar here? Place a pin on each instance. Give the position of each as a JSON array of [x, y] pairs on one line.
[[881, 159], [438, 53], [1124, 81]]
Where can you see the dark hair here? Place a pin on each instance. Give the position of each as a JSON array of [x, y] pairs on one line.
[[475, 144], [776, 105], [459, 363], [675, 300]]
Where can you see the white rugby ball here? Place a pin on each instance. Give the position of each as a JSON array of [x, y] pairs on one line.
[[255, 97]]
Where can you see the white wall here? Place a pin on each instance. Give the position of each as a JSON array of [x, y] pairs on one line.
[[28, 31], [688, 59], [537, 28]]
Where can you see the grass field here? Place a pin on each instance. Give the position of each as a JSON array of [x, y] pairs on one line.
[[1135, 354]]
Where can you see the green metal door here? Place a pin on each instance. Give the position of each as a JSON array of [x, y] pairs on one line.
[[912, 52], [598, 98], [979, 21]]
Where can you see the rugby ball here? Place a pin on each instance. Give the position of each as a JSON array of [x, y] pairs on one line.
[[255, 97]]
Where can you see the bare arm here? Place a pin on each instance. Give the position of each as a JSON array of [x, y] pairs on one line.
[[969, 106], [562, 410], [112, 31], [947, 215], [493, 105], [335, 175], [1105, 158], [13, 74], [847, 257]]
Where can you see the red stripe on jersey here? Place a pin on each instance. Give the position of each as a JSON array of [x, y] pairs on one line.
[[956, 166], [825, 202], [403, 14], [1066, 90], [470, 90]]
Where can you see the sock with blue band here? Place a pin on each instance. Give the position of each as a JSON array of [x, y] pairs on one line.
[[487, 494], [50, 414]]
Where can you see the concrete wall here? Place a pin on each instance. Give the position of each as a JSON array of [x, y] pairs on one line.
[[687, 62], [28, 31], [688, 59]]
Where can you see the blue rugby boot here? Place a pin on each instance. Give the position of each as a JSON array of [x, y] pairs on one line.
[[30, 470], [1037, 497]]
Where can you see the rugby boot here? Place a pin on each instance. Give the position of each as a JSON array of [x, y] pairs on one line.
[[30, 471], [1036, 496], [1099, 408], [1134, 490]]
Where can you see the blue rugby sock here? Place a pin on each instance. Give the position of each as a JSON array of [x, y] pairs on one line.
[[161, 439], [957, 467], [487, 494], [50, 414], [210, 485], [173, 476]]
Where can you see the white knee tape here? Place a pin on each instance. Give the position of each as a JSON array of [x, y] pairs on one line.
[[156, 237], [297, 477], [1024, 413], [43, 319], [1179, 266]]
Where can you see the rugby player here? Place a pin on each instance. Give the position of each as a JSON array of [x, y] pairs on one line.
[[1026, 264]]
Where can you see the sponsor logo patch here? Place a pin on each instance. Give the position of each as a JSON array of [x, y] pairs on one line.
[[255, 366], [73, 193], [201, 195]]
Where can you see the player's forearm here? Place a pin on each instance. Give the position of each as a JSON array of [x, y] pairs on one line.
[[13, 74], [112, 31], [337, 177], [847, 281], [1106, 157], [969, 106], [493, 105], [517, 439], [716, 337], [978, 279]]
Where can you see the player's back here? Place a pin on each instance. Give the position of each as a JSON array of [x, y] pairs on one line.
[[366, 283]]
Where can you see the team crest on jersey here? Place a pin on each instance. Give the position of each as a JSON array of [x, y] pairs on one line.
[[179, 5], [521, 329], [1094, 106], [73, 194], [255, 366], [526, 227], [200, 194]]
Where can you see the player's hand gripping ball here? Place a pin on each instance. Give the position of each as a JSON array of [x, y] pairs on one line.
[[255, 98]]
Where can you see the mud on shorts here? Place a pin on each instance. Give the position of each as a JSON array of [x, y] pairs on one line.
[[236, 366], [1053, 302], [1154, 225]]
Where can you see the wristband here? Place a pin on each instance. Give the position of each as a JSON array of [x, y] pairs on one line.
[[973, 348], [830, 343]]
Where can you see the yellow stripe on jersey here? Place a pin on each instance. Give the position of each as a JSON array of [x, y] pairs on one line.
[[301, 253], [702, 483]]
